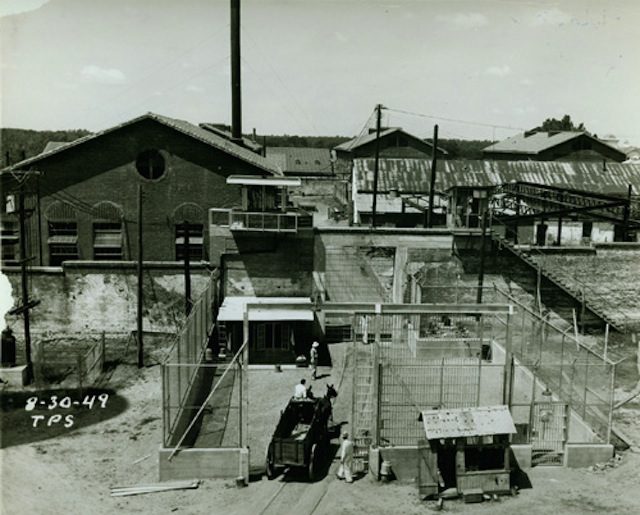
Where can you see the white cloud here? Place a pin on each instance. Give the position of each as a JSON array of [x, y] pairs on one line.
[[93, 73], [194, 89], [524, 110], [464, 20], [551, 17], [526, 82], [9, 7], [498, 71]]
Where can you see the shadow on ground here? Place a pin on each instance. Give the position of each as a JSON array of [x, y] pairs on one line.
[[34, 416]]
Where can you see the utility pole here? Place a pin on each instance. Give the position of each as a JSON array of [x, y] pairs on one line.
[[27, 304], [140, 281], [432, 184], [376, 166], [187, 269], [626, 215], [482, 245]]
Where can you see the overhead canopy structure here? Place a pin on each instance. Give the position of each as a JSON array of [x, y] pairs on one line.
[[271, 309], [463, 422], [248, 180]]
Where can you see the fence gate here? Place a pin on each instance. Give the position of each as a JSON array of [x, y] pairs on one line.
[[549, 430], [364, 403]]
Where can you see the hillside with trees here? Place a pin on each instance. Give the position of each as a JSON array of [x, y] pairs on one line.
[[19, 144]]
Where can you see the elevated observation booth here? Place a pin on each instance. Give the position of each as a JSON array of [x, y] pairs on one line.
[[265, 207]]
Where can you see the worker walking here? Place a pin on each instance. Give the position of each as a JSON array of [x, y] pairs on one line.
[[300, 391], [346, 459], [313, 359]]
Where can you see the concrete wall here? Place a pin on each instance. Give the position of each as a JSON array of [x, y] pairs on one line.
[[269, 266], [204, 464], [95, 297], [584, 455]]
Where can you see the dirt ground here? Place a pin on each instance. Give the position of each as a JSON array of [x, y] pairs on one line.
[[70, 471]]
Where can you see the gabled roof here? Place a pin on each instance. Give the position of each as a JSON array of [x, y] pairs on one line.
[[301, 160], [537, 142], [412, 175], [364, 139], [198, 133], [52, 145]]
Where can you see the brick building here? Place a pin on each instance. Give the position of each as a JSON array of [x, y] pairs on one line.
[[84, 198]]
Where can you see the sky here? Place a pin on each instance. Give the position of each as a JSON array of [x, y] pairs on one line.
[[482, 69]]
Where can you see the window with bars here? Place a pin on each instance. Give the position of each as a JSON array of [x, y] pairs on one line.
[[9, 235], [63, 242], [107, 241], [196, 242]]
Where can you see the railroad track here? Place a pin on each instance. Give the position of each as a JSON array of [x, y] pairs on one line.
[[296, 497]]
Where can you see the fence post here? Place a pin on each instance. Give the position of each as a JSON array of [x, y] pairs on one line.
[[441, 404], [586, 380], [611, 401], [79, 365], [103, 352], [376, 377]]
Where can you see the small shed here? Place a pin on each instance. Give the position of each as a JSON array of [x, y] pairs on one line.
[[471, 448]]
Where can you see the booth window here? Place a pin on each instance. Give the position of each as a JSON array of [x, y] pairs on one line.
[[63, 242], [196, 241], [107, 241], [484, 458]]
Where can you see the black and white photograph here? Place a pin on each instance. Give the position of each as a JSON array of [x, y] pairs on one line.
[[319, 257]]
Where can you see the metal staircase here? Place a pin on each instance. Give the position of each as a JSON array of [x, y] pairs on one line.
[[593, 302]]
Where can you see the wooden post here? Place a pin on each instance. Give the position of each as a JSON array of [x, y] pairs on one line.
[[559, 238], [376, 166], [375, 369], [140, 282], [244, 383], [482, 245], [432, 184], [187, 270], [23, 280]]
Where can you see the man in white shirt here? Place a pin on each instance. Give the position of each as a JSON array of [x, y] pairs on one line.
[[300, 391]]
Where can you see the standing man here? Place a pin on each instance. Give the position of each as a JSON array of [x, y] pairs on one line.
[[313, 359], [346, 459]]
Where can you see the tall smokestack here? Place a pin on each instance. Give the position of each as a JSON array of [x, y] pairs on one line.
[[236, 99]]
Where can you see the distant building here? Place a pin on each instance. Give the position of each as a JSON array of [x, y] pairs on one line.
[[554, 146], [302, 161]]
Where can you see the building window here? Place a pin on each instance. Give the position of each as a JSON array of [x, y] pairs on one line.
[[196, 242], [107, 241], [150, 165], [587, 228], [63, 242], [9, 235]]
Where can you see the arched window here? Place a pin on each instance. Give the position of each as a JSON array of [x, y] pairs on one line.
[[107, 231], [62, 227]]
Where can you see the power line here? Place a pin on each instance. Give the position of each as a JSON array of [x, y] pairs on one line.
[[455, 120]]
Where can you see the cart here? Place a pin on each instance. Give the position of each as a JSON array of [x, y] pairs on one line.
[[301, 438]]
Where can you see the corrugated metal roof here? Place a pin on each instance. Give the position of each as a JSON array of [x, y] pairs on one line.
[[412, 175], [198, 133], [463, 422], [301, 160], [539, 141]]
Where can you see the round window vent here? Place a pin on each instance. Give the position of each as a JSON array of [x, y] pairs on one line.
[[150, 164]]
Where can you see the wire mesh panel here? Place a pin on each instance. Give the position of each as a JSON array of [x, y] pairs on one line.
[[549, 432], [363, 402]]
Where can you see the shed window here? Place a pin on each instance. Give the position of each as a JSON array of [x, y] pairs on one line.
[[587, 228], [107, 241], [196, 242], [484, 458], [63, 242]]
